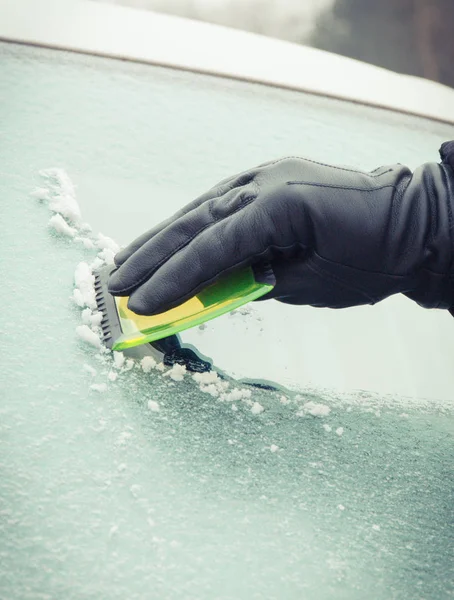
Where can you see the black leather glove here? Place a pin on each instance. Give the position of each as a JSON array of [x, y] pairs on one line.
[[334, 236]]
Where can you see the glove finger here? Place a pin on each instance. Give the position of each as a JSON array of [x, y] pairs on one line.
[[161, 248], [224, 247], [217, 191]]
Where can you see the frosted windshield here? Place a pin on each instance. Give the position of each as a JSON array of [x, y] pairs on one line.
[[126, 479]]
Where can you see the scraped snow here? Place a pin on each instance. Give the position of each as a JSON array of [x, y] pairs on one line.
[[106, 243], [58, 223], [257, 408], [205, 378], [63, 195], [87, 242], [119, 359], [84, 280], [236, 394], [177, 372], [107, 256], [147, 363], [314, 409], [89, 336]]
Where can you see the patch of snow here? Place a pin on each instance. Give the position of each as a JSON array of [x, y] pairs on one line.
[[58, 223], [89, 336], [86, 242], [84, 280], [119, 359], [107, 256], [177, 372], [284, 400], [314, 409], [341, 507], [339, 431], [63, 199], [235, 394], [129, 364], [205, 378], [327, 427], [106, 243], [147, 363], [257, 408], [274, 448]]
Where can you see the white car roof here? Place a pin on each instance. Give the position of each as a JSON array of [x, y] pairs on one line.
[[145, 36]]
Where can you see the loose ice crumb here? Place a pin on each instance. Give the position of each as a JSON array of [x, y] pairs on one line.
[[89, 336], [284, 400], [99, 387], [274, 448], [376, 527], [327, 427], [234, 407], [314, 409], [177, 372], [58, 223], [339, 431], [147, 363], [160, 367], [90, 370], [257, 408], [112, 376], [121, 467], [119, 359], [153, 406], [341, 507]]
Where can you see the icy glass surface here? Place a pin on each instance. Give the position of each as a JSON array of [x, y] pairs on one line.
[[121, 483]]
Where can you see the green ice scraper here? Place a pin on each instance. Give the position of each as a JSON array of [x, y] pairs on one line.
[[123, 329]]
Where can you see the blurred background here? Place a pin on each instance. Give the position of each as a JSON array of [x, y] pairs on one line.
[[409, 36]]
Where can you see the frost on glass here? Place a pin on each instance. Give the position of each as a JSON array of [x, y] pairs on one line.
[[123, 478]]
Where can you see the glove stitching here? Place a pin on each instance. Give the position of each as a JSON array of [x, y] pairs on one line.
[[340, 187], [314, 162]]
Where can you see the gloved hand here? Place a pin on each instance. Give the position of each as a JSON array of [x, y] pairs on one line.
[[334, 236]]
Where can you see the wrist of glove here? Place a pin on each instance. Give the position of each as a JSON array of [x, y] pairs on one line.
[[335, 237]]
